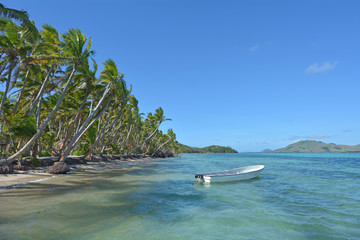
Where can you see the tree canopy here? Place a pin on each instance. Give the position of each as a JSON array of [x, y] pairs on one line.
[[56, 103]]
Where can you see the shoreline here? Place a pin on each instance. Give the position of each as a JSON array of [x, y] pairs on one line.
[[22, 177]]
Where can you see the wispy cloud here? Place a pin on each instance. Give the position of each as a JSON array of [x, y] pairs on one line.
[[293, 138], [254, 48], [348, 130], [310, 136], [319, 68]]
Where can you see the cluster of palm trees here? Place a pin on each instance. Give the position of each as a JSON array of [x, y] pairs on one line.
[[55, 103]]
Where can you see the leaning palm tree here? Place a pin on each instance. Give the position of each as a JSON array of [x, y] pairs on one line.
[[167, 138], [13, 49], [155, 122], [121, 97], [87, 80], [76, 50], [48, 56], [112, 79]]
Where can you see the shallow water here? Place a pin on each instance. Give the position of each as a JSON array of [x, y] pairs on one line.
[[297, 196]]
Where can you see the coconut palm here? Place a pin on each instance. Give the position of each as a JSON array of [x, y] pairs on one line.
[[112, 78], [48, 56], [154, 122], [12, 49], [76, 50], [54, 101], [86, 79], [167, 138], [120, 101], [22, 17]]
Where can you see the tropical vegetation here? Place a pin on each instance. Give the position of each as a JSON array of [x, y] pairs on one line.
[[56, 102], [210, 149]]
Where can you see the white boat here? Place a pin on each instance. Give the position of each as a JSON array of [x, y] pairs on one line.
[[236, 174]]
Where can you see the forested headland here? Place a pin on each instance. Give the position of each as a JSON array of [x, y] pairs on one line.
[[55, 101], [309, 146], [210, 149]]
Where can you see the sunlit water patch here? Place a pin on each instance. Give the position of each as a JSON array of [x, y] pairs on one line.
[[297, 196]]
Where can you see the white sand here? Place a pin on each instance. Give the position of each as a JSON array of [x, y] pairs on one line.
[[21, 177], [7, 180]]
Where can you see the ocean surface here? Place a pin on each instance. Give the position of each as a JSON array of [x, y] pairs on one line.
[[297, 196]]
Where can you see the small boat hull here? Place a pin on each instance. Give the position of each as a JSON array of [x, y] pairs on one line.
[[237, 174]]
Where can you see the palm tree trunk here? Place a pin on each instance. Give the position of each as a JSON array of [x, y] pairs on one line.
[[41, 91], [67, 136], [60, 127], [111, 127], [84, 127], [42, 126], [21, 92], [6, 89], [36, 144], [148, 138], [160, 146], [149, 145], [101, 134], [116, 131], [90, 124], [127, 137]]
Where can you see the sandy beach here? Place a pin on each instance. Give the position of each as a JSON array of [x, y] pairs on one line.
[[22, 177], [16, 178]]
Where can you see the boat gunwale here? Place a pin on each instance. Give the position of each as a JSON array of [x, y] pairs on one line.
[[231, 172]]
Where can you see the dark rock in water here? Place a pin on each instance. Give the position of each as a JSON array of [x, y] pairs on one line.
[[5, 169], [58, 168]]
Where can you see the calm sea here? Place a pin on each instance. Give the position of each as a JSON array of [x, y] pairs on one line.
[[297, 196]]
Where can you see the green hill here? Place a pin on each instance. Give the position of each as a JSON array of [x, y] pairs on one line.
[[210, 149], [317, 147]]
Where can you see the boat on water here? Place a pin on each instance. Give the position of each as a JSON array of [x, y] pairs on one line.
[[236, 174]]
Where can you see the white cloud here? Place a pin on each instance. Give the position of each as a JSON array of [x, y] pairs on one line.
[[323, 67], [254, 48]]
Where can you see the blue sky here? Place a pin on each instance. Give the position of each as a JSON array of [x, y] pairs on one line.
[[246, 74]]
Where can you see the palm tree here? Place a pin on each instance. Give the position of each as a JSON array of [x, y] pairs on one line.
[[21, 16], [122, 95], [76, 50], [13, 49], [110, 76], [121, 103], [86, 79], [53, 98], [155, 121], [170, 136]]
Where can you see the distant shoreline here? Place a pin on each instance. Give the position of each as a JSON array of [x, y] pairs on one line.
[[309, 146]]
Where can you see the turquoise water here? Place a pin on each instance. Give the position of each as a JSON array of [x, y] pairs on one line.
[[297, 196]]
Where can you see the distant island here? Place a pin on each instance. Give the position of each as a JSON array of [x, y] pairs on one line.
[[309, 146], [210, 149]]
